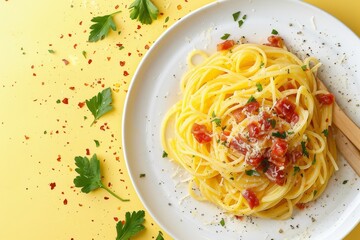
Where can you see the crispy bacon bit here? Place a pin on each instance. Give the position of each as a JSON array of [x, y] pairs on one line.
[[275, 41], [252, 107], [326, 99], [287, 86], [201, 134], [265, 121], [293, 156], [278, 151], [122, 63], [251, 198], [239, 144], [255, 161], [225, 45], [239, 115], [286, 110], [275, 174]]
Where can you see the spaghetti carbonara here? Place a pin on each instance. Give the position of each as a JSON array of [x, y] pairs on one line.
[[253, 129]]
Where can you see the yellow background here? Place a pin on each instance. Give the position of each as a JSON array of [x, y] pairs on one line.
[[39, 138]]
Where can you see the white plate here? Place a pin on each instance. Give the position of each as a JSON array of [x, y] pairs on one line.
[[155, 88]]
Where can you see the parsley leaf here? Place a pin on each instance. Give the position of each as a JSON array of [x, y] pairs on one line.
[[304, 67], [252, 172], [259, 87], [296, 170], [216, 120], [236, 15], [274, 32], [97, 143], [251, 99], [279, 135], [304, 150], [222, 222], [100, 104], [101, 27], [272, 122], [325, 132], [144, 11], [165, 154], [240, 23], [51, 51], [89, 178], [160, 236], [225, 36], [133, 225]]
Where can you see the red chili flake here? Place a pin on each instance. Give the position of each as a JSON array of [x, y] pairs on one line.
[[179, 7], [119, 44], [69, 35], [65, 201], [66, 62], [26, 137], [61, 36], [75, 45], [34, 74], [126, 73], [80, 23], [239, 217], [122, 63], [102, 127], [87, 151], [72, 88], [59, 158], [32, 66], [129, 54], [109, 184], [138, 26], [147, 47], [81, 104], [116, 219], [117, 6], [106, 198], [89, 61], [52, 185], [80, 205], [108, 58], [65, 101]]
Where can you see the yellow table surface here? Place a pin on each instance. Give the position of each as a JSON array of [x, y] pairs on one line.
[[39, 137]]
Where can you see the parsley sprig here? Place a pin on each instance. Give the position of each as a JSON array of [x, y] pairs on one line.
[[100, 104], [144, 11], [133, 225], [101, 27], [89, 178]]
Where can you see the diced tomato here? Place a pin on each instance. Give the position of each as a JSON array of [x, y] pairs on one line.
[[239, 115], [254, 130], [225, 45], [286, 110], [275, 174], [278, 151], [251, 198], [275, 41], [255, 161], [252, 107], [201, 134], [265, 121], [239, 144], [326, 99]]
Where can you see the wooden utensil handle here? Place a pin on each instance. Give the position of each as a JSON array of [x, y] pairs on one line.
[[349, 151]]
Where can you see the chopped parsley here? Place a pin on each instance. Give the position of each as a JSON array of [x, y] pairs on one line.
[[84, 54], [290, 132], [262, 65], [216, 120], [51, 51], [97, 143], [296, 170], [166, 19], [304, 67], [325, 132], [252, 172], [244, 17], [281, 135], [274, 32], [222, 222], [165, 154], [236, 15], [225, 36], [241, 22], [314, 160], [272, 122], [315, 192], [304, 150], [251, 99], [142, 175], [259, 87]]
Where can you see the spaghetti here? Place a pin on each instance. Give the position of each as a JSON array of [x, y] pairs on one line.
[[253, 130]]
